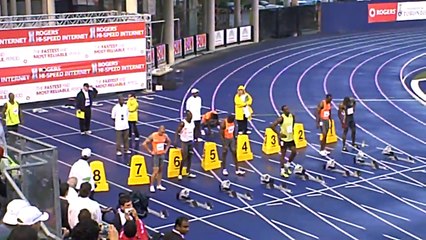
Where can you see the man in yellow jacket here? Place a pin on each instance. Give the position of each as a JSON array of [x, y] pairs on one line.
[[243, 110], [133, 105], [12, 114]]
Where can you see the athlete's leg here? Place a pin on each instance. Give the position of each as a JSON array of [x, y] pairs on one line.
[[353, 133], [293, 154], [345, 133], [224, 153]]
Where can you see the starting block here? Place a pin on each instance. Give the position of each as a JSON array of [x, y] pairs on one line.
[[175, 160], [330, 165], [300, 171], [163, 214], [183, 195], [271, 142], [270, 184], [225, 186], [244, 152], [392, 155], [210, 157], [331, 134], [360, 160]]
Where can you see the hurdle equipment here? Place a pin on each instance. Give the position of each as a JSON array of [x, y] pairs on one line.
[[299, 136], [163, 214], [270, 184], [330, 165], [99, 176], [359, 159], [271, 142], [138, 174], [183, 196], [244, 152], [225, 186], [210, 159], [301, 172], [388, 151], [331, 134]]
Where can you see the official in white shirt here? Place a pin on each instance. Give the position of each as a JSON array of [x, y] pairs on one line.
[[120, 115], [186, 132], [194, 104], [81, 170], [83, 202]]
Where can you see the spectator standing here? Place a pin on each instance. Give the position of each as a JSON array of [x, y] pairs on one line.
[[179, 231], [83, 202], [134, 228], [10, 218], [63, 191], [160, 145], [133, 105], [125, 205], [81, 169], [120, 115], [84, 101], [194, 104], [12, 114], [243, 110]]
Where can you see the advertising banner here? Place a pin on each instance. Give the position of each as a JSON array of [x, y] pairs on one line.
[[201, 42], [245, 33], [39, 64], [219, 38], [188, 45], [161, 54], [177, 44], [382, 12], [231, 35], [408, 11]]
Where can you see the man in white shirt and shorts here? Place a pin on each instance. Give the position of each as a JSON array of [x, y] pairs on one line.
[[120, 115], [186, 133]]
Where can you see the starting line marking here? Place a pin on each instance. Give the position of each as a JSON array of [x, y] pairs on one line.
[[386, 213], [342, 221]]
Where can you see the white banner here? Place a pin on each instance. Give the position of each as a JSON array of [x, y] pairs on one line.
[[245, 33], [231, 35], [45, 91], [72, 52], [219, 38], [411, 11]]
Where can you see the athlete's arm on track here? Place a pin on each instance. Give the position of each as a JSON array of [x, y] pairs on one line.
[[168, 142], [145, 143], [320, 106], [274, 125], [222, 129], [178, 131], [341, 113]]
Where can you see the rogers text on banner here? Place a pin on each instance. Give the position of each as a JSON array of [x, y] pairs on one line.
[[382, 12]]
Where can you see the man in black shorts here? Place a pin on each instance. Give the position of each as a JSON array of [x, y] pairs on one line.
[[286, 134], [347, 110], [186, 132], [227, 134]]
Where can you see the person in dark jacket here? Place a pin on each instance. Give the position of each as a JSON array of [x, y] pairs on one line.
[[84, 101], [179, 231]]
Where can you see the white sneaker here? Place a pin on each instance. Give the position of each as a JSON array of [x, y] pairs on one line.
[[128, 152], [248, 131], [240, 172], [152, 189], [323, 153], [225, 172], [83, 133], [203, 132], [199, 139], [136, 139], [180, 177], [119, 153], [191, 175], [88, 132], [240, 132], [161, 188]]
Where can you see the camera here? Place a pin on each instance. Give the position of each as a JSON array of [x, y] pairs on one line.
[[104, 231]]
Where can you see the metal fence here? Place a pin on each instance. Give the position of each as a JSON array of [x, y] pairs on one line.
[[35, 178]]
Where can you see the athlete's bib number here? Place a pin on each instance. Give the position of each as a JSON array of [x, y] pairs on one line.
[[231, 129], [326, 114], [16, 111], [350, 111], [290, 129], [160, 147]]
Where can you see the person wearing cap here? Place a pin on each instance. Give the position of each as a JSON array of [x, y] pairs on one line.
[[32, 216], [243, 110], [81, 169], [10, 218], [209, 120], [83, 102], [194, 104]]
